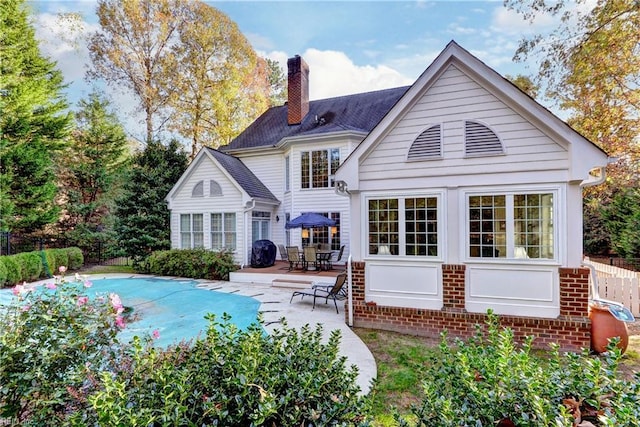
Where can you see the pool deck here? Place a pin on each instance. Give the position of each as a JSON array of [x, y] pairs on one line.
[[274, 295]]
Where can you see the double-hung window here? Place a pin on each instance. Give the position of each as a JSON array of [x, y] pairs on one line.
[[191, 231], [223, 231], [318, 167], [511, 225], [405, 226]]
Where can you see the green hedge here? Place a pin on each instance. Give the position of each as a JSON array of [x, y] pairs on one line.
[[192, 263], [30, 266]]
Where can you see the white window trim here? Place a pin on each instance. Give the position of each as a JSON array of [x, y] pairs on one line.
[[191, 231], [224, 231], [559, 209], [440, 195], [331, 175]]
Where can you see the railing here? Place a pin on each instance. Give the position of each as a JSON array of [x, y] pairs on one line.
[[620, 285], [96, 252]]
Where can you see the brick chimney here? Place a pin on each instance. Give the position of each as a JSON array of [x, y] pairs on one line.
[[298, 88]]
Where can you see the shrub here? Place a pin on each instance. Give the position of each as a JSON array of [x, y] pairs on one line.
[[62, 258], [3, 272], [192, 263], [14, 271], [48, 336], [50, 256], [489, 380], [234, 378], [76, 259], [30, 265]]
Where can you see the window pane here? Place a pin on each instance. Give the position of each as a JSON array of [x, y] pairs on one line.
[[487, 227], [230, 231], [383, 227], [421, 238], [320, 169], [185, 223], [305, 170], [533, 225], [216, 231]]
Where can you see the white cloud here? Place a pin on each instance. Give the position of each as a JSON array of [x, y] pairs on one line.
[[510, 22], [334, 74]]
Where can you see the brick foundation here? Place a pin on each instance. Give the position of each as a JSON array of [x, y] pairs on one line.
[[571, 330]]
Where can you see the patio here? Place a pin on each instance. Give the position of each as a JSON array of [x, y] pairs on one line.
[[280, 276]]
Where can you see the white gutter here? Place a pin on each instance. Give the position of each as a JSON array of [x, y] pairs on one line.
[[246, 211], [350, 290], [602, 176]]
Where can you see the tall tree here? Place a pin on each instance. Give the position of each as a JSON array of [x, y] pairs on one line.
[[33, 124], [94, 163], [590, 64], [277, 84], [222, 85], [133, 50], [142, 223], [525, 84]]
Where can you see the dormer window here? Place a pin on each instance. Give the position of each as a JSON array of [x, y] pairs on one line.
[[428, 145], [479, 140], [198, 189]]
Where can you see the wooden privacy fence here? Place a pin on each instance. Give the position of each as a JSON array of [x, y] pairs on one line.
[[620, 285]]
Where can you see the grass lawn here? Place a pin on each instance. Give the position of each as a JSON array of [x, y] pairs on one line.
[[401, 360]]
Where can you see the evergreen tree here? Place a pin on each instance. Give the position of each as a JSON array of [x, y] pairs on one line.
[[94, 164], [33, 125], [142, 223]]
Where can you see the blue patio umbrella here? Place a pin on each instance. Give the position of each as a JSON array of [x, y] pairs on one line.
[[310, 220]]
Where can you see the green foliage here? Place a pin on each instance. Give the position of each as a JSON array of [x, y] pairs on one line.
[[490, 378], [50, 256], [62, 259], [30, 265], [3, 272], [76, 259], [93, 167], [234, 378], [142, 224], [49, 336], [193, 263], [14, 271], [34, 123], [622, 219]]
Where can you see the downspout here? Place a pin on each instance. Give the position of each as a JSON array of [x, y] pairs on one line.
[[246, 229], [341, 190]]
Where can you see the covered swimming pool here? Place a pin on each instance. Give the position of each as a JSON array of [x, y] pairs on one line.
[[174, 307]]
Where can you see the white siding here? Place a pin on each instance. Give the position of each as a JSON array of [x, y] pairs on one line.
[[230, 201], [451, 100]]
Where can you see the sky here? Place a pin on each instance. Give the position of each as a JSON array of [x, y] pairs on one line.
[[350, 46]]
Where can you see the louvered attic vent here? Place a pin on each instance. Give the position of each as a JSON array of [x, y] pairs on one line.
[[480, 140], [428, 145]]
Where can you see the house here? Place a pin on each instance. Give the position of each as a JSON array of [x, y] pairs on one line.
[[456, 195]]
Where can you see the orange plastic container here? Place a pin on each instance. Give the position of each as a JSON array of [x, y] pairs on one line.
[[605, 326]]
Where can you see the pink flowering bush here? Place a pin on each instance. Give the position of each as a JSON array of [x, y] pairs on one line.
[[49, 337]]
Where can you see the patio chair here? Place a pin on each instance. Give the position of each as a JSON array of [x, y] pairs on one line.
[[338, 258], [310, 254], [334, 291], [293, 256], [283, 253]]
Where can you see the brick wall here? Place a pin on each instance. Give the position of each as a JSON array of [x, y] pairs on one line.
[[571, 330]]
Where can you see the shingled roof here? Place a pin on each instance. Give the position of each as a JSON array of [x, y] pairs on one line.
[[359, 112], [243, 176]]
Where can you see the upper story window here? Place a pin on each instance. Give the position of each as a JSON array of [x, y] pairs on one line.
[[479, 140], [512, 225], [317, 168], [406, 226], [287, 173], [198, 189], [428, 145], [214, 189]]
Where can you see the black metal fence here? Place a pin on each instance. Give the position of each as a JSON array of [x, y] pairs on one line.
[[95, 253], [632, 264]]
